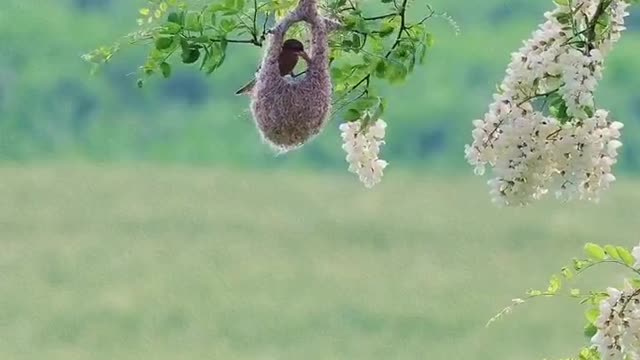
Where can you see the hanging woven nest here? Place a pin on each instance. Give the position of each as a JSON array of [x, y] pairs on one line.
[[290, 111]]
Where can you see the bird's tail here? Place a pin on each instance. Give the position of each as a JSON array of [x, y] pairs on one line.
[[247, 88]]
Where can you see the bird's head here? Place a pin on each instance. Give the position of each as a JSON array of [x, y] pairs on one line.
[[293, 46]]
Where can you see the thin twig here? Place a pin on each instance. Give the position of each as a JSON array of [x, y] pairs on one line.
[[235, 41], [549, 93], [264, 28], [431, 14], [381, 17], [591, 28], [402, 12], [255, 21], [627, 301]]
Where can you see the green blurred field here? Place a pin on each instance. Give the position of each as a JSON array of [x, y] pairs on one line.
[[193, 263]]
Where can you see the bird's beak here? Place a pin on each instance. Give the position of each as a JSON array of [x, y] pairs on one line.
[[303, 54]]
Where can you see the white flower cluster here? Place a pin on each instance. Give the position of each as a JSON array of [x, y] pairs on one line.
[[571, 148], [362, 144], [618, 335], [618, 325]]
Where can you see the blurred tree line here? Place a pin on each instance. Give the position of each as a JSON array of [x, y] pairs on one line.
[[51, 108]]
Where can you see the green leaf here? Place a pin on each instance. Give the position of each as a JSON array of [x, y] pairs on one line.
[[567, 273], [164, 43], [592, 315], [555, 283], [380, 69], [352, 115], [362, 26], [579, 264], [192, 21], [635, 283], [214, 57], [579, 44], [355, 39], [337, 73], [590, 353], [175, 18], [396, 71], [190, 55], [387, 29], [171, 28], [564, 18], [612, 252], [555, 99], [378, 110], [557, 107], [625, 256], [412, 62], [595, 252], [166, 69], [429, 39], [590, 330], [365, 121], [365, 103], [561, 113], [228, 25], [589, 110], [350, 22], [213, 19], [575, 293], [595, 298], [422, 54]]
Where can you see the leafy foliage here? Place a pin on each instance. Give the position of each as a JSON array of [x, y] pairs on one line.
[[594, 255], [385, 46], [51, 109]]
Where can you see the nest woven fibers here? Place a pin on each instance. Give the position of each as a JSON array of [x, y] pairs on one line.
[[290, 111]]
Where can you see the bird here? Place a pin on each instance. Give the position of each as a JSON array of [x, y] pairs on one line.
[[292, 51]]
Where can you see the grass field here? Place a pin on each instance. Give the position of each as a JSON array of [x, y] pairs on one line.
[[192, 263]]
